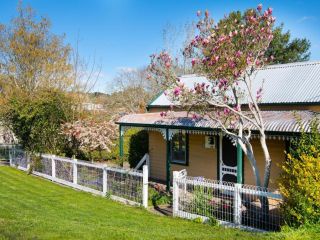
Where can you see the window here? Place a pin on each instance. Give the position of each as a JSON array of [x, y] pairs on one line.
[[179, 148]]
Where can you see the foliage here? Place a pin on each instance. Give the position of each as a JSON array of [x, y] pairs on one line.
[[36, 121], [55, 209], [300, 180], [138, 147], [204, 205], [90, 135], [212, 221], [198, 220], [132, 91], [282, 48], [228, 54], [285, 50], [158, 197], [32, 58]]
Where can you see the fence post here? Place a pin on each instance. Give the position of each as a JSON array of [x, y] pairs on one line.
[[75, 171], [237, 204], [11, 154], [175, 193], [53, 167], [28, 158], [145, 186], [104, 181]]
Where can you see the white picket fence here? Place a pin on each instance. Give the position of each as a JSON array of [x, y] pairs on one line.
[[128, 186], [230, 203]]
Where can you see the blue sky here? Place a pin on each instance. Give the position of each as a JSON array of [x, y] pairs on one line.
[[123, 33]]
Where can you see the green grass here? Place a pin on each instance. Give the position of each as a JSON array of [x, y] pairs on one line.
[[34, 208]]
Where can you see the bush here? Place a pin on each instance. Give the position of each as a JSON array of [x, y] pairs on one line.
[[300, 180], [158, 197], [138, 147], [36, 120]]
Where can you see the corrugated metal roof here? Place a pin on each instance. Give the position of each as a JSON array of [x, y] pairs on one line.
[[283, 83], [275, 121]]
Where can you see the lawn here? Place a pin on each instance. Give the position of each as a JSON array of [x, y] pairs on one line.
[[34, 208]]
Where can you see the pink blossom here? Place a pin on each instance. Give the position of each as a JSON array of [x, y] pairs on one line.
[[270, 11], [259, 7], [238, 53], [205, 41], [177, 91], [248, 60], [231, 64], [168, 64], [195, 117], [237, 108], [236, 74], [226, 111], [163, 114], [194, 61]]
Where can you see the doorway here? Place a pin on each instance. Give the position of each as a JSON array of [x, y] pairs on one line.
[[228, 160]]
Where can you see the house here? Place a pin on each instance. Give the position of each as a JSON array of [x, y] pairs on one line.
[[89, 106], [179, 142]]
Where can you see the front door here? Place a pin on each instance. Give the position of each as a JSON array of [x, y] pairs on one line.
[[228, 160]]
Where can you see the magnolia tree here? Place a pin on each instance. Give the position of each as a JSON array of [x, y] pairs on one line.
[[229, 54], [91, 135]]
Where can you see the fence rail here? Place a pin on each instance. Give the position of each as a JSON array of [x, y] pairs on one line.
[[128, 186], [230, 203]]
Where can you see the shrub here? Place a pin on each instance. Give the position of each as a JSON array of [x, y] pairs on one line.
[[212, 221], [158, 198], [138, 147], [36, 121], [300, 180]]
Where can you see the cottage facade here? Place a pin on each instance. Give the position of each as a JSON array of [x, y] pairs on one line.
[[179, 142]]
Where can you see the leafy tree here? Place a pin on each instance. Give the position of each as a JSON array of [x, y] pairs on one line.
[[300, 179], [138, 147], [132, 91], [229, 54], [36, 121], [31, 57], [285, 50]]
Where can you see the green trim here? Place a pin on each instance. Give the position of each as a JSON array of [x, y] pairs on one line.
[[158, 106], [243, 163], [239, 164], [154, 99], [165, 126], [218, 157], [280, 133], [168, 166]]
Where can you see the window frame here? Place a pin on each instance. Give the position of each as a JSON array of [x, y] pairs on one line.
[[186, 162]]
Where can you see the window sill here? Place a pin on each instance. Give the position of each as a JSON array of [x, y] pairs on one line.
[[180, 163]]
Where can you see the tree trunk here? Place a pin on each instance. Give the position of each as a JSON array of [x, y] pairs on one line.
[[267, 171], [253, 163], [263, 200], [267, 168]]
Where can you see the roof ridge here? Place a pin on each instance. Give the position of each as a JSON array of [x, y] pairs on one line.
[[286, 65]]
